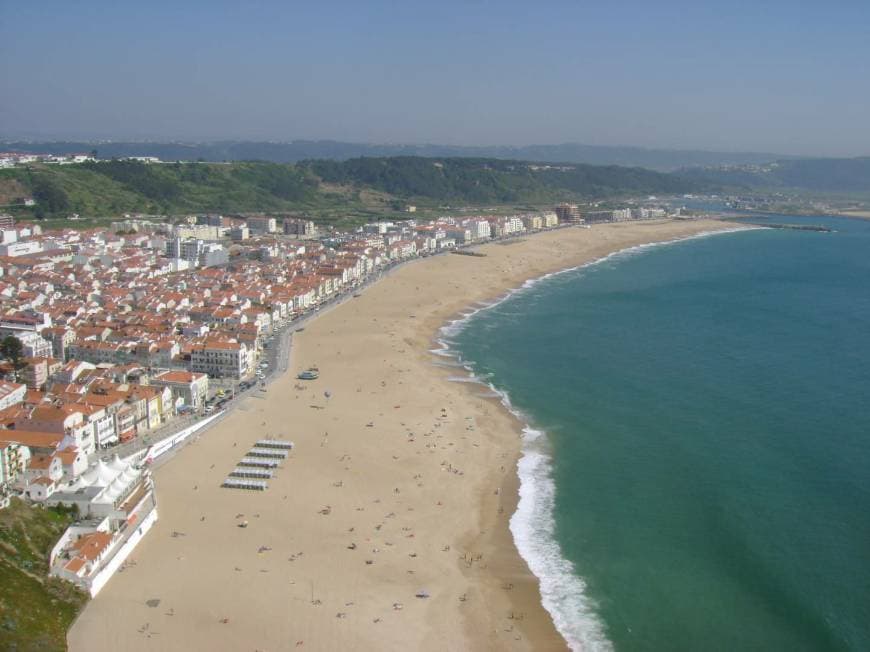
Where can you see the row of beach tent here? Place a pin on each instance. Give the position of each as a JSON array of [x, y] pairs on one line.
[[245, 483], [256, 467]]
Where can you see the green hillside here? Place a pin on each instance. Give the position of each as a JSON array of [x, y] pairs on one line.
[[110, 188], [327, 190], [476, 180], [35, 610]]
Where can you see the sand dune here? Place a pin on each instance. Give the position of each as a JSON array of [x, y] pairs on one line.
[[392, 489]]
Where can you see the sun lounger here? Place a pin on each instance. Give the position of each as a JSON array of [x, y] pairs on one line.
[[268, 452], [275, 443]]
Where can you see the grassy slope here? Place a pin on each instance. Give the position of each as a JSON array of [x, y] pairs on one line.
[[35, 611]]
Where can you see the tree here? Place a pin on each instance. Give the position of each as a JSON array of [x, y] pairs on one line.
[[13, 351], [49, 194]]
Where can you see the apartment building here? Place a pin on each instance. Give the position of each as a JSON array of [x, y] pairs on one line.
[[568, 213], [262, 224], [34, 345], [300, 228], [188, 387], [11, 394], [13, 459], [60, 339], [222, 359], [63, 419]]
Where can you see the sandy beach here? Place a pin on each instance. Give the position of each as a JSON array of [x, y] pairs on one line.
[[864, 215], [401, 481]]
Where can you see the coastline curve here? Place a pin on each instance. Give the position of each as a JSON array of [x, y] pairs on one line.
[[533, 525]]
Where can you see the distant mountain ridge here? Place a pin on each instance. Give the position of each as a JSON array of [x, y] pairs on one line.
[[663, 160], [816, 174]]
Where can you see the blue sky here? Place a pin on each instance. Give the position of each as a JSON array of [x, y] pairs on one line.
[[789, 77]]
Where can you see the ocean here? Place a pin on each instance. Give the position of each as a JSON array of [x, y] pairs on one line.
[[696, 468]]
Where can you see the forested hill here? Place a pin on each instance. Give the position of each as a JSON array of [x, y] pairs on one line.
[[477, 180], [106, 188]]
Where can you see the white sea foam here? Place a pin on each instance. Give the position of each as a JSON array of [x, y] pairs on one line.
[[563, 591], [470, 378]]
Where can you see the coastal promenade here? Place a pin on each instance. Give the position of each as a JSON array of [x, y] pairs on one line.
[[401, 485]]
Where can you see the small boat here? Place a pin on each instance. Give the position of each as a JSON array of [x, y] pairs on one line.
[[356, 295], [308, 374]]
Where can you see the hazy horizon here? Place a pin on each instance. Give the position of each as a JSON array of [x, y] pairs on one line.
[[774, 79], [49, 138]]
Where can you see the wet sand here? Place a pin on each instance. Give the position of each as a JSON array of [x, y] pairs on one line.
[[401, 482]]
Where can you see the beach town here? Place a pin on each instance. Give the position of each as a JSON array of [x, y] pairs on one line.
[[196, 343]]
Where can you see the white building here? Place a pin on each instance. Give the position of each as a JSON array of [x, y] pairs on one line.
[[118, 497], [188, 388], [34, 345], [188, 249], [20, 248], [222, 359], [514, 224], [480, 229], [11, 394], [13, 461]]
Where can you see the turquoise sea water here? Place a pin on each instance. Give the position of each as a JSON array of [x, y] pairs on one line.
[[704, 480]]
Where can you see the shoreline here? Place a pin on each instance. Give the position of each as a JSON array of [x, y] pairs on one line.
[[396, 423], [536, 456]]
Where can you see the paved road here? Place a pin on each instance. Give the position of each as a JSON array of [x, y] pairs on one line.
[[149, 439]]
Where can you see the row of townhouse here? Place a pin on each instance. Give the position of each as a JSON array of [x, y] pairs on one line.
[[47, 437], [108, 299], [115, 403]]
